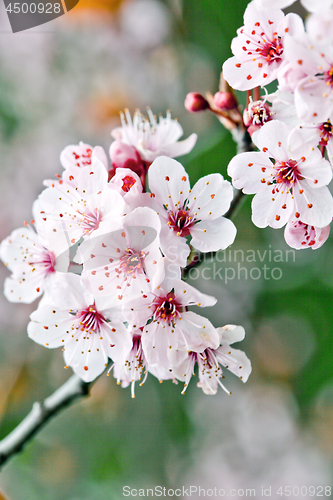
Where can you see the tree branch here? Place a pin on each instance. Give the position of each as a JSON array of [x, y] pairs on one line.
[[41, 413]]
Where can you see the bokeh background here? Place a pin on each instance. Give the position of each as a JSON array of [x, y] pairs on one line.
[[64, 82]]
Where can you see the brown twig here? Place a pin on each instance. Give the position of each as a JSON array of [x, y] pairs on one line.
[[40, 414]]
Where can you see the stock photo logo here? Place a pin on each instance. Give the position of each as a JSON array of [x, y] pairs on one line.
[[23, 15]]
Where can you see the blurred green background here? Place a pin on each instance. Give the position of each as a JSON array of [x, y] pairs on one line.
[[64, 82]]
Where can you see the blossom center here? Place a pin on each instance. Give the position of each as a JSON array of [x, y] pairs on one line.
[[287, 172], [181, 222], [271, 51], [46, 260], [90, 221], [326, 133], [89, 319], [259, 112], [328, 76], [167, 308], [131, 262]]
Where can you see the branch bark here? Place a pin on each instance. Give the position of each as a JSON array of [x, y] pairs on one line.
[[40, 414]]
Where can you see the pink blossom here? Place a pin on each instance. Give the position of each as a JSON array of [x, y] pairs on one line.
[[125, 262], [152, 138], [195, 102], [87, 328], [195, 212], [299, 235], [86, 206], [128, 184], [313, 93], [259, 47], [75, 157], [81, 155], [210, 362], [292, 186], [125, 156], [169, 325], [135, 368], [320, 134], [32, 265]]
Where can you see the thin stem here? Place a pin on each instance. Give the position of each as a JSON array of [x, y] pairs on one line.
[[41, 413]]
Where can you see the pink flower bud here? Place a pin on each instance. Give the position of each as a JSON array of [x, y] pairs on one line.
[[195, 102], [120, 153], [126, 156], [225, 101]]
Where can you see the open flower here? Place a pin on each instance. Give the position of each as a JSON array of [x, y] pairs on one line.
[[169, 325], [313, 93], [259, 47], [127, 262], [83, 208], [87, 328], [288, 176], [32, 265], [210, 362], [150, 138], [135, 368], [195, 212]]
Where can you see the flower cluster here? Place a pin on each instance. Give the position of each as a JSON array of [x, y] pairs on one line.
[[289, 176], [106, 255], [292, 128]]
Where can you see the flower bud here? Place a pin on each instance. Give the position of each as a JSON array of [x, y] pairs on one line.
[[124, 156], [195, 102], [225, 101]]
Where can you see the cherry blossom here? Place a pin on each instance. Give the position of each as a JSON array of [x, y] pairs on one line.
[[75, 157], [152, 138], [127, 157], [195, 212], [82, 155], [292, 186], [85, 207], [299, 235], [89, 330], [313, 93], [135, 368], [259, 47], [210, 360], [127, 261], [32, 264], [320, 134], [129, 185], [169, 325]]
